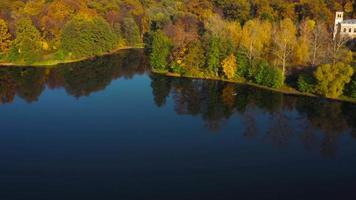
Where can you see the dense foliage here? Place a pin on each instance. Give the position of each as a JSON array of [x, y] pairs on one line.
[[87, 37], [27, 46], [331, 79], [260, 41], [161, 48]]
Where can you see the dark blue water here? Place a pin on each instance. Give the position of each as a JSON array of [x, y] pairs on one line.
[[108, 129]]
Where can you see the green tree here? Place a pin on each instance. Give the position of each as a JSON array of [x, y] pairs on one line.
[[27, 46], [161, 48], [213, 55], [351, 88], [83, 37], [306, 83], [268, 75], [331, 79], [243, 64]]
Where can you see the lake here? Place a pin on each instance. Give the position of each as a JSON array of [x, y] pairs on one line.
[[107, 128]]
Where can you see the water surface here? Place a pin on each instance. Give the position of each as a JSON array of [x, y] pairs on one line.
[[109, 129]]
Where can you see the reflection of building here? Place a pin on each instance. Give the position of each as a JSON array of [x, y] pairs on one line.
[[346, 28]]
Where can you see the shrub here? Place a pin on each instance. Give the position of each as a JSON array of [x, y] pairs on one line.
[[161, 48], [83, 37], [268, 76], [331, 79], [306, 83]]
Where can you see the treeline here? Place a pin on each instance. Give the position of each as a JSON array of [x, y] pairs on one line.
[[42, 30], [261, 41]]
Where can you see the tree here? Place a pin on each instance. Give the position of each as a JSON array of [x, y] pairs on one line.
[[306, 83], [131, 32], [27, 46], [229, 66], [195, 58], [4, 37], [268, 75], [235, 9], [337, 50], [349, 7], [284, 41], [331, 79], [303, 47], [351, 87], [84, 36], [161, 47], [213, 55], [318, 43], [56, 16], [256, 36], [242, 63]]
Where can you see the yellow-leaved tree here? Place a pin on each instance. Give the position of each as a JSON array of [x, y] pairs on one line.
[[331, 79], [303, 48], [229, 66], [284, 42], [4, 37], [256, 36]]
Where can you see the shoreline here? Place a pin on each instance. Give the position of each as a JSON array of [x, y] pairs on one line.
[[284, 89], [53, 63]]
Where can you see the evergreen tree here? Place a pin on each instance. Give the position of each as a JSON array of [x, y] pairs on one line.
[[161, 47], [213, 55]]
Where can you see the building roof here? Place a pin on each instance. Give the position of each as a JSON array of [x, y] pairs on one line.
[[349, 21]]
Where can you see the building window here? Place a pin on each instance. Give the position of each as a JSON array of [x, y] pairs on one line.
[[350, 30], [345, 30], [354, 30]]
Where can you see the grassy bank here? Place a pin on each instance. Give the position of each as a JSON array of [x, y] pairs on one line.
[[286, 89], [50, 62]]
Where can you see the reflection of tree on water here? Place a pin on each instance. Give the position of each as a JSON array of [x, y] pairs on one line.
[[27, 83], [280, 131], [79, 79], [84, 78], [7, 86], [289, 117], [326, 117], [160, 88], [349, 111]]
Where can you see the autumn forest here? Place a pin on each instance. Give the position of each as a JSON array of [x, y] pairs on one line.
[[287, 45]]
